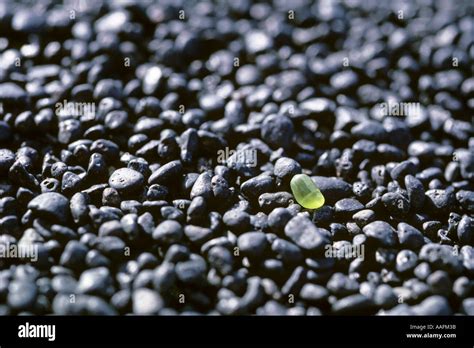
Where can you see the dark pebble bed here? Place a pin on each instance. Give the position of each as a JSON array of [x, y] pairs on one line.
[[147, 148]]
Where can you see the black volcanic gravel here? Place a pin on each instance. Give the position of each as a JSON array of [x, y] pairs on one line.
[[147, 149]]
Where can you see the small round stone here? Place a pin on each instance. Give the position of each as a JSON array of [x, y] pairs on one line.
[[236, 220], [313, 293], [441, 257], [166, 173], [277, 131], [74, 255], [433, 305], [381, 232], [415, 190], [364, 217], [305, 234], [192, 271], [253, 244], [409, 236], [358, 303], [146, 302], [396, 204], [168, 232], [51, 205], [465, 230], [406, 261], [468, 306], [348, 206], [7, 158], [440, 283], [385, 297], [278, 218], [126, 180], [22, 294], [286, 168], [96, 281], [332, 188]]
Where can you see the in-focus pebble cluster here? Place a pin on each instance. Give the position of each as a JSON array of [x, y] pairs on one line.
[[147, 151]]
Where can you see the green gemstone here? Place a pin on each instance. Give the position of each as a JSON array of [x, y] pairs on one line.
[[306, 193]]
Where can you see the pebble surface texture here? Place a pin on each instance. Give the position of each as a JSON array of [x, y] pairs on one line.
[[147, 151]]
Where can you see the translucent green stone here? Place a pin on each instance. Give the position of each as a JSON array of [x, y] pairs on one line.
[[306, 193]]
